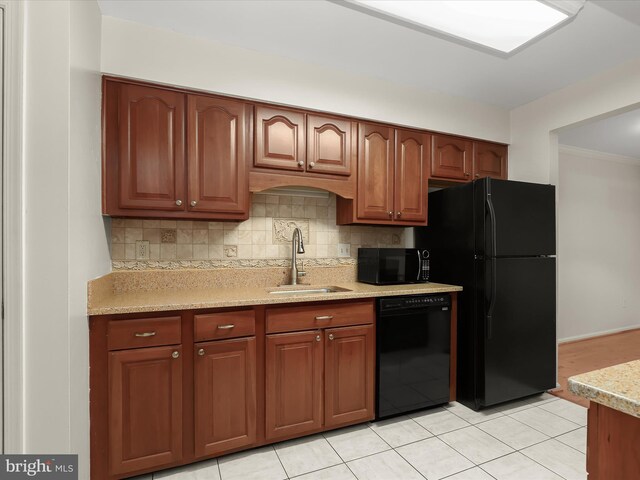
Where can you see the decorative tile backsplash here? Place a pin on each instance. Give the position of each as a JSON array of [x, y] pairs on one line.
[[265, 235]]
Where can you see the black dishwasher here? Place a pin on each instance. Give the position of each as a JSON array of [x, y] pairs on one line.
[[413, 353]]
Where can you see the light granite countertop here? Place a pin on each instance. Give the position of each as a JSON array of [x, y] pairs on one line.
[[617, 387], [104, 299]]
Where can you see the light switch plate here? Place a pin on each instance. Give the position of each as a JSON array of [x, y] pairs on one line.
[[344, 250]]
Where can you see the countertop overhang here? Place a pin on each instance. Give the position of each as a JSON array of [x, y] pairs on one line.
[[617, 387], [216, 297]]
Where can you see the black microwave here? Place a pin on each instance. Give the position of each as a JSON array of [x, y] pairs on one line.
[[387, 266]]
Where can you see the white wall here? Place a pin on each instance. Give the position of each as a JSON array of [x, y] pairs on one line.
[[533, 154], [62, 195], [598, 239], [46, 156], [134, 50], [88, 246]]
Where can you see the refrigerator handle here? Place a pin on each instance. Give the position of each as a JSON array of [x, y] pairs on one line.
[[492, 299], [492, 216]]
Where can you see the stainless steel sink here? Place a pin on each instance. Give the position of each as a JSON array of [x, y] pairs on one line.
[[306, 290]]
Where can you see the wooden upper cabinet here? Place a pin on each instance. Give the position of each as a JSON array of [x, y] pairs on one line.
[[375, 172], [349, 375], [489, 160], [225, 395], [451, 157], [145, 408], [217, 144], [168, 154], [329, 145], [150, 155], [280, 138], [293, 383], [411, 175]]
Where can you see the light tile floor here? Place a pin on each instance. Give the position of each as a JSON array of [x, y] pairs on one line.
[[539, 438]]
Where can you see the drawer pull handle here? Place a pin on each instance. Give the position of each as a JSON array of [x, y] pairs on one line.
[[145, 334], [226, 327], [331, 336], [325, 317], [318, 338], [201, 352], [175, 354]]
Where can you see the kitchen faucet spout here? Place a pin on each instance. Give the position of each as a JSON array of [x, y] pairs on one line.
[[299, 248]]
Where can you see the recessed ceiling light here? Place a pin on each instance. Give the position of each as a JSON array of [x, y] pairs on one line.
[[502, 25]]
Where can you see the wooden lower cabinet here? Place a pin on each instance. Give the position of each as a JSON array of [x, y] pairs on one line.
[[349, 368], [225, 403], [613, 444], [318, 379], [145, 408], [169, 389], [293, 383]]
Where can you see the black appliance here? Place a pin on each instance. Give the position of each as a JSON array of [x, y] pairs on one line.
[[387, 266], [496, 238], [413, 353]]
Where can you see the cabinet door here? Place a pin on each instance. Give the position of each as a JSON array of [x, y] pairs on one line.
[[293, 383], [145, 408], [280, 139], [349, 375], [329, 145], [217, 137], [451, 157], [412, 160], [225, 395], [151, 148], [375, 172], [489, 160]]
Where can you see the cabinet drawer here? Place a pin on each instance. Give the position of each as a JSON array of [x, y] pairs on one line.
[[215, 326], [291, 319], [144, 332]]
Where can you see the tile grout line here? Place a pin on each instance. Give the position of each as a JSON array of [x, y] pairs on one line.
[[279, 460], [340, 456], [398, 453], [544, 466]]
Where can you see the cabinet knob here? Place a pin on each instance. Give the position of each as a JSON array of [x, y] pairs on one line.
[[398, 214], [311, 164], [477, 174], [175, 354], [318, 338], [331, 336], [193, 203], [178, 202], [300, 163], [390, 214], [201, 352]]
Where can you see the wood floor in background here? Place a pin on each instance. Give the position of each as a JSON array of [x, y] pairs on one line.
[[592, 354]]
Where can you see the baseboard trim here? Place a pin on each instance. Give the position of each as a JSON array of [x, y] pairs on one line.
[[603, 333]]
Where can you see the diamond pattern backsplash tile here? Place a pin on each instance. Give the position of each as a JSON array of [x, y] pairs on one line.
[[265, 235]]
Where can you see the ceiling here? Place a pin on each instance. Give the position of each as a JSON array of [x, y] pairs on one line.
[[619, 134], [603, 35]]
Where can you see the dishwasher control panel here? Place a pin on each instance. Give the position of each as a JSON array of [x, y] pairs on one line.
[[414, 301]]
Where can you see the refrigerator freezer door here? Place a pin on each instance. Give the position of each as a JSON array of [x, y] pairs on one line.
[[516, 331], [514, 219]]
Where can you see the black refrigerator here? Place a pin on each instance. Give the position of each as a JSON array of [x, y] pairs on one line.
[[496, 238]]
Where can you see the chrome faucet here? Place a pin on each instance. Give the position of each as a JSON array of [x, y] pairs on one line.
[[295, 273]]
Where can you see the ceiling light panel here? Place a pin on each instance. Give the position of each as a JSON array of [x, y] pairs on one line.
[[502, 25]]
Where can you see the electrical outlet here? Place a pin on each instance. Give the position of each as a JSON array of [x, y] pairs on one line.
[[142, 249], [344, 250]]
